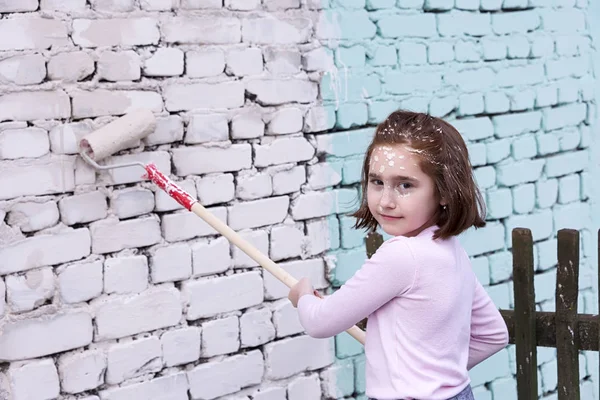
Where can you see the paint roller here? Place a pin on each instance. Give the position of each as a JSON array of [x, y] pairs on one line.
[[128, 130]]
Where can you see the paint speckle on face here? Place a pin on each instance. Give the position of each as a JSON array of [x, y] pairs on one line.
[[391, 163], [381, 169], [376, 158]]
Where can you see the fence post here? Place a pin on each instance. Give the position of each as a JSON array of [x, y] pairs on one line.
[[567, 339], [525, 313]]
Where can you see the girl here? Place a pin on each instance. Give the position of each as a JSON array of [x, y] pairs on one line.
[[429, 318]]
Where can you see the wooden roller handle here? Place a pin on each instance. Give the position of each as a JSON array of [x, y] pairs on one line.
[[183, 198]]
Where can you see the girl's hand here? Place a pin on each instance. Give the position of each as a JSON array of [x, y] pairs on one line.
[[300, 289]]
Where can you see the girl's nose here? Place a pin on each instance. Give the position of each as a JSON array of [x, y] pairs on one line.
[[387, 198]]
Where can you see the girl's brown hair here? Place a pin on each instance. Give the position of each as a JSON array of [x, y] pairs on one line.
[[443, 155]]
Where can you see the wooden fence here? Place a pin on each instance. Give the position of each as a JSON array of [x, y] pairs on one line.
[[564, 329]]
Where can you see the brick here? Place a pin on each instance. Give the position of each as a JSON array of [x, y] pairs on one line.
[[181, 346], [173, 386], [281, 91], [171, 263], [285, 30], [524, 147], [516, 22], [119, 316], [322, 175], [112, 235], [563, 116], [273, 5], [201, 4], [131, 202], [285, 319], [253, 214], [34, 380], [345, 264], [305, 386], [287, 241], [33, 216], [244, 62], [320, 118], [2, 297], [241, 5], [270, 393], [282, 61], [319, 59], [320, 204], [256, 328], [24, 6], [312, 269], [546, 192], [32, 33], [349, 237], [484, 240], [123, 32], [539, 222], [349, 24], [569, 189], [524, 198], [247, 287], [312, 354], [125, 274], [23, 69], [399, 82], [29, 291], [203, 160], [252, 186], [80, 282], [247, 125], [288, 180], [207, 128], [83, 208], [128, 360], [242, 370], [81, 371], [42, 335], [64, 139], [352, 115], [350, 57], [572, 216], [474, 128], [568, 163], [101, 102], [338, 379], [189, 96], [516, 124], [216, 250], [440, 52], [113, 5], [220, 336], [355, 87], [215, 189], [477, 153], [168, 130], [164, 62], [283, 150], [514, 173], [322, 235], [442, 106], [186, 225], [50, 249], [457, 23], [204, 62], [23, 143], [416, 25], [35, 105], [63, 5], [202, 30]]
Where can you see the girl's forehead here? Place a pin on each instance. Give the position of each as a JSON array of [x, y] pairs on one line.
[[394, 159]]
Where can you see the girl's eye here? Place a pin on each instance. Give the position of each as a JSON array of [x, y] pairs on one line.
[[405, 186], [376, 182]]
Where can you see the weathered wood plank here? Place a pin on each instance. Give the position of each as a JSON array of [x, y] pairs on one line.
[[567, 290], [524, 294], [545, 329]]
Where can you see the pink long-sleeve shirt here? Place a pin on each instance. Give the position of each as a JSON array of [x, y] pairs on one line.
[[430, 320]]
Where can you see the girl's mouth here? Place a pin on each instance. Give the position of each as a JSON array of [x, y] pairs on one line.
[[389, 218]]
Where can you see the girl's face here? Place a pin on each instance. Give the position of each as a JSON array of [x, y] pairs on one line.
[[400, 196]]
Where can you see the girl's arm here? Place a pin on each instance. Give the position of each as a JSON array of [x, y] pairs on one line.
[[489, 334], [390, 272]]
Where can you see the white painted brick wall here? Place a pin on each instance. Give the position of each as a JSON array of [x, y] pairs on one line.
[[134, 297]]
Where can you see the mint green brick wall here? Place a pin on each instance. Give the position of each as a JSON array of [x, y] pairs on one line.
[[516, 78]]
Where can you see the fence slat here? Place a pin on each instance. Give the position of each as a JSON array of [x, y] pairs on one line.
[[567, 288], [524, 292]]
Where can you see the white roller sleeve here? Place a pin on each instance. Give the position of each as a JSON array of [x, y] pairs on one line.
[[118, 134]]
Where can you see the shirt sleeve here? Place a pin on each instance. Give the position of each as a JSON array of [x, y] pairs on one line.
[[390, 272], [489, 333]]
